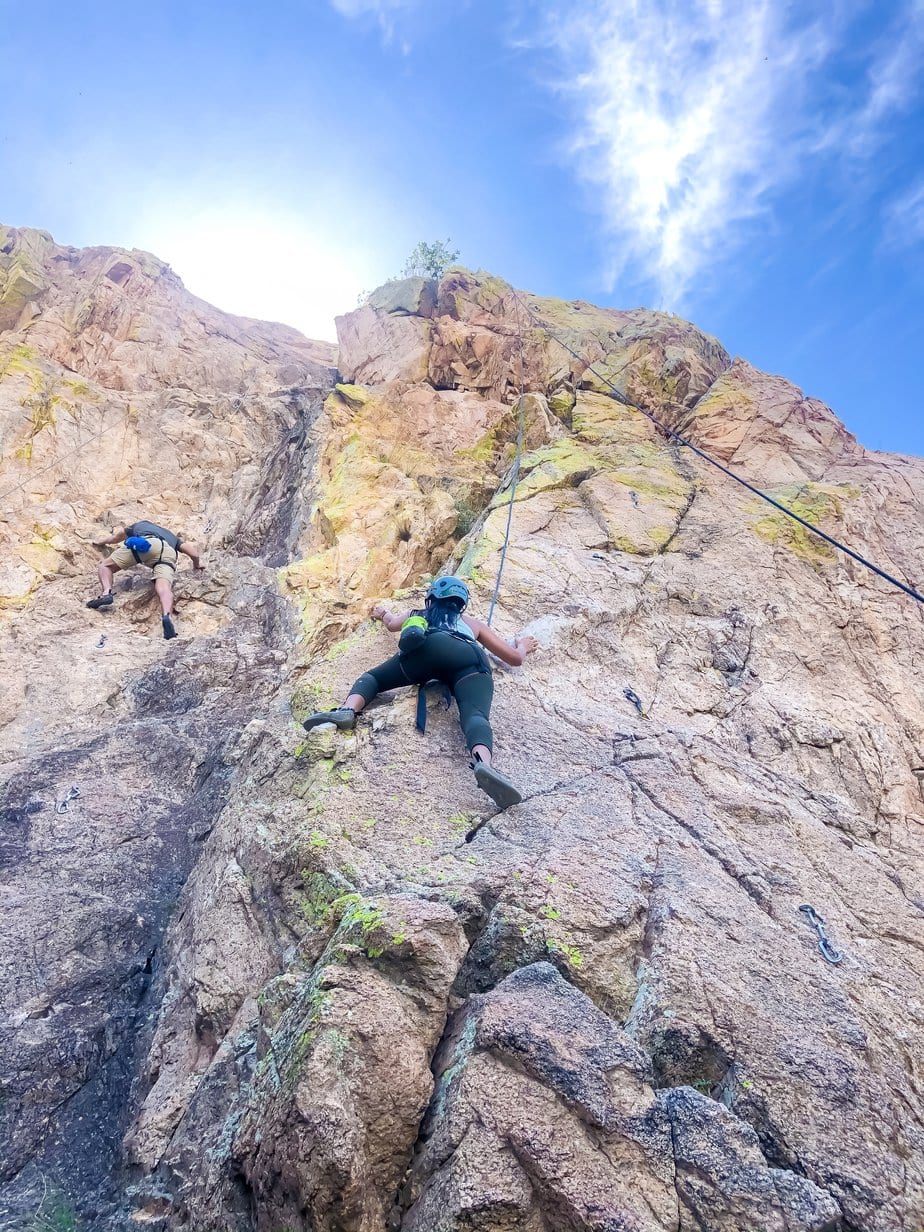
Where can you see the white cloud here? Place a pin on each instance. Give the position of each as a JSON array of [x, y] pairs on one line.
[[892, 82], [904, 219], [688, 115], [385, 13]]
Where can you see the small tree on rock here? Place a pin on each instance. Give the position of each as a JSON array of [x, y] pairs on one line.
[[430, 260]]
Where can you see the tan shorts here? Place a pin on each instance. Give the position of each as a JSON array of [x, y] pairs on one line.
[[161, 558]]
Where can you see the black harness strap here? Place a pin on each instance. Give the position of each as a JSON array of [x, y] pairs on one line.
[[421, 722], [171, 564]]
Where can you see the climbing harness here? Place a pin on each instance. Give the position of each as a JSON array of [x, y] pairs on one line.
[[420, 717], [824, 942], [441, 616], [521, 412], [139, 546], [72, 793], [160, 560], [682, 440]]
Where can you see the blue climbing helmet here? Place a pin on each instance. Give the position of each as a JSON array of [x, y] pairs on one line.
[[138, 543], [449, 587]]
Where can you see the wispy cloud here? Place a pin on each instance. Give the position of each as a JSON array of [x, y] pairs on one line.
[[687, 116], [891, 84], [385, 12], [904, 219]]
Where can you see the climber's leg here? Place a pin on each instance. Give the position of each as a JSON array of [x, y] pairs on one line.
[[474, 694], [106, 569], [164, 589], [388, 675]]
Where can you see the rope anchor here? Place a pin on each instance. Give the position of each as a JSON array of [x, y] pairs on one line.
[[817, 922]]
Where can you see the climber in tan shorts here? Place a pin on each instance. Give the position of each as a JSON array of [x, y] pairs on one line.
[[145, 543]]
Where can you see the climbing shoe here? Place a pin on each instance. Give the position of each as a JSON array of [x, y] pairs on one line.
[[342, 717], [169, 630], [101, 600], [501, 790]]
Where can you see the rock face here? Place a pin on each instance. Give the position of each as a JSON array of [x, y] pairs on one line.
[[257, 981]]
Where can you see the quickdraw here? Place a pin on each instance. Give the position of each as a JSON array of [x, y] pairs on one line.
[[817, 922], [64, 803], [631, 696]]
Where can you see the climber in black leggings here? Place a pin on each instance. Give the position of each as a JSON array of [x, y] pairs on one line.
[[439, 643]]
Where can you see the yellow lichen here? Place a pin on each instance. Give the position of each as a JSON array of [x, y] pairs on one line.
[[561, 464], [816, 503]]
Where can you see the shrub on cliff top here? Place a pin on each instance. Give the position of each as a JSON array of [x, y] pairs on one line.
[[429, 260]]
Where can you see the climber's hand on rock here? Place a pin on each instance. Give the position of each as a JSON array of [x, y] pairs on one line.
[[527, 644], [378, 612]]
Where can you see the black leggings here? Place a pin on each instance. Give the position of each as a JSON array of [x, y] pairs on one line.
[[447, 659]]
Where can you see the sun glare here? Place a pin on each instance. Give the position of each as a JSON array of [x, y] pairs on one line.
[[264, 264]]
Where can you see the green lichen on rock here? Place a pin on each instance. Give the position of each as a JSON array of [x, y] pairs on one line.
[[816, 503], [320, 891], [561, 404], [599, 418], [22, 281], [660, 482], [80, 389], [561, 464], [724, 396], [577, 317], [20, 358], [353, 395]]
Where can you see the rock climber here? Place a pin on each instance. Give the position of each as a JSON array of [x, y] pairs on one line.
[[145, 543], [438, 643]]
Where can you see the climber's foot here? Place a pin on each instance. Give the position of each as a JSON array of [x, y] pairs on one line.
[[169, 630], [342, 717], [501, 790], [101, 600]]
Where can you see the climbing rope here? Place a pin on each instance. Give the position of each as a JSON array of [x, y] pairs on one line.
[[682, 440], [521, 413], [57, 462]]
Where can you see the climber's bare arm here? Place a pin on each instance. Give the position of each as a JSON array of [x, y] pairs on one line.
[[190, 550], [118, 537], [391, 621], [514, 652]]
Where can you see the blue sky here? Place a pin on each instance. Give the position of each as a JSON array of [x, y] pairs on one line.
[[754, 166]]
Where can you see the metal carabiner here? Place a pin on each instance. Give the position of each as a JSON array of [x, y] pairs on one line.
[[63, 804], [631, 696], [816, 921], [828, 951]]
